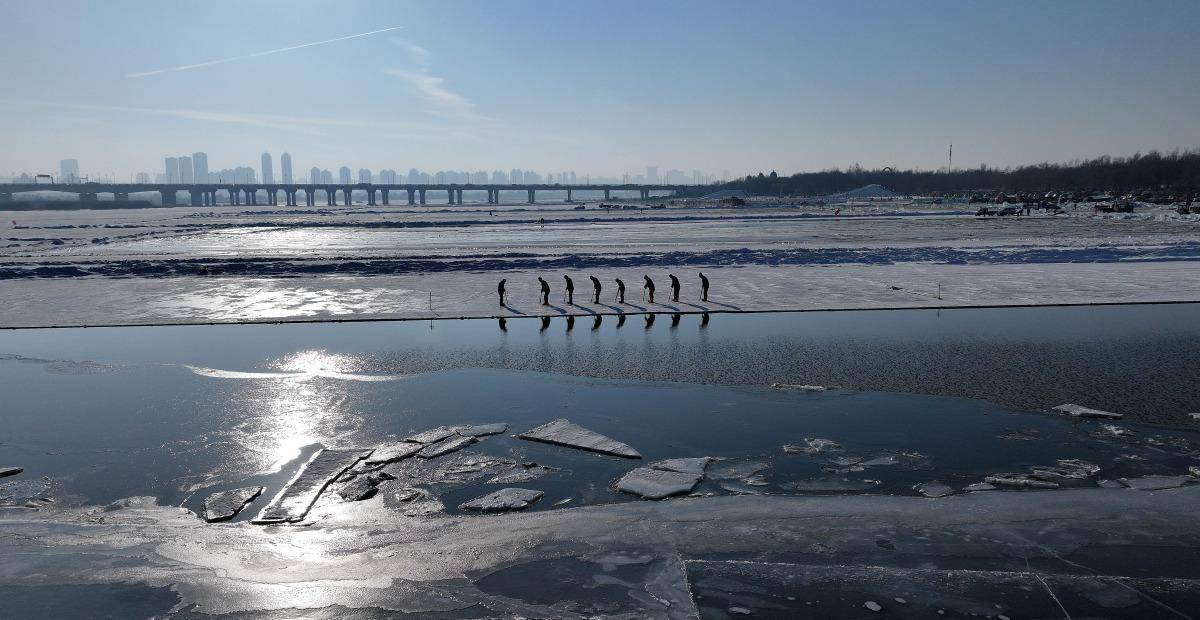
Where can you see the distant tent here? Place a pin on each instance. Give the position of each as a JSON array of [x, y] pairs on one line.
[[873, 190], [725, 193]]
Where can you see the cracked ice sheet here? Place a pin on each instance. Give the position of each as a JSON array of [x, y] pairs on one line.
[[365, 558]]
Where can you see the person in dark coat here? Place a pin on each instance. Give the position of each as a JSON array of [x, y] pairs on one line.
[[620, 291], [703, 287], [674, 287], [500, 290], [649, 287], [595, 290], [545, 292], [570, 291]]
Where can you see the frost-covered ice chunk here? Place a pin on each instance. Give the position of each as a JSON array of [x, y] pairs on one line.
[[656, 483], [481, 430], [933, 488], [563, 432], [1079, 411], [294, 501], [392, 452], [1155, 483], [503, 500], [1019, 480], [830, 484], [799, 388], [10, 471], [979, 486], [362, 487], [446, 446], [1067, 469], [873, 606], [684, 466], [812, 445], [432, 435], [225, 505]]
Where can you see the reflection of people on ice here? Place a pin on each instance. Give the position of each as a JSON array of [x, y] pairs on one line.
[[545, 292]]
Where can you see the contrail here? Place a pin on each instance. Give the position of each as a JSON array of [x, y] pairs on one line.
[[257, 54]]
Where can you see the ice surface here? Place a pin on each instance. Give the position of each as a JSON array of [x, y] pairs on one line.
[[683, 465], [1079, 411], [1156, 483], [432, 435], [227, 504], [829, 484], [503, 500], [395, 451], [294, 500], [812, 445], [563, 432], [480, 430], [446, 446], [934, 489], [656, 483], [10, 471]]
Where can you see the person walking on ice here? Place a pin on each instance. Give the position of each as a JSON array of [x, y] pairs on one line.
[[500, 291], [570, 291], [703, 287], [674, 287], [545, 291], [620, 291], [595, 289], [648, 287]]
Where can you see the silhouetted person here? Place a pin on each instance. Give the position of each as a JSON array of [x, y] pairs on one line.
[[703, 287], [674, 287], [545, 292], [648, 287], [500, 290], [620, 291], [570, 291], [545, 323], [595, 290], [503, 325]]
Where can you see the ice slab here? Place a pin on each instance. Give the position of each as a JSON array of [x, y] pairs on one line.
[[1079, 411], [1019, 480], [446, 446], [503, 500], [294, 500], [934, 488], [226, 505], [656, 483], [813, 445], [1156, 483], [392, 452], [799, 388], [360, 488], [830, 484], [432, 435], [481, 430], [979, 486], [10, 471], [563, 432], [684, 466]]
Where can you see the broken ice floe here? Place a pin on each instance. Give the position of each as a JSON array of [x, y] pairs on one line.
[[297, 497], [933, 489], [480, 430], [1155, 483], [362, 487], [396, 451], [432, 435], [829, 485], [1019, 480], [226, 505], [503, 500], [563, 432], [799, 388], [979, 486], [523, 472], [1066, 470], [446, 446], [812, 445], [1079, 411], [657, 483], [684, 466], [10, 471]]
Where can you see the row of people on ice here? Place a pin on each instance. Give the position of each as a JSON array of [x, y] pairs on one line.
[[647, 288]]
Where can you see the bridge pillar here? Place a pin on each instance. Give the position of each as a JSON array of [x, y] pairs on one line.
[[531, 195], [330, 197], [310, 197], [458, 196], [88, 197], [168, 197], [645, 194], [252, 194], [422, 196], [197, 197], [384, 194], [212, 197], [347, 193], [569, 196], [371, 197], [608, 194], [450, 196], [412, 196]]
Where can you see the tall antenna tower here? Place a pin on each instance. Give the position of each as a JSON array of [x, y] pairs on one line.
[[950, 165]]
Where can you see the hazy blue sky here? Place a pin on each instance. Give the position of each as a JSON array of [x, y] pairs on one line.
[[601, 87]]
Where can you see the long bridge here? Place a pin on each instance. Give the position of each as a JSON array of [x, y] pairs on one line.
[[206, 194]]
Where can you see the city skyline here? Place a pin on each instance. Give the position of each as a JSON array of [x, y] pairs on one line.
[[464, 86]]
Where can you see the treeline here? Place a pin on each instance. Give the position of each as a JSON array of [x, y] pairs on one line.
[[1175, 171]]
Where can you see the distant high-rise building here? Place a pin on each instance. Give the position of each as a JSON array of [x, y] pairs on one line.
[[314, 175], [499, 178], [516, 177], [652, 174], [344, 175], [387, 176], [364, 175], [142, 177], [200, 168], [172, 173], [268, 175], [696, 177], [285, 168], [185, 170], [68, 171], [327, 177]]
